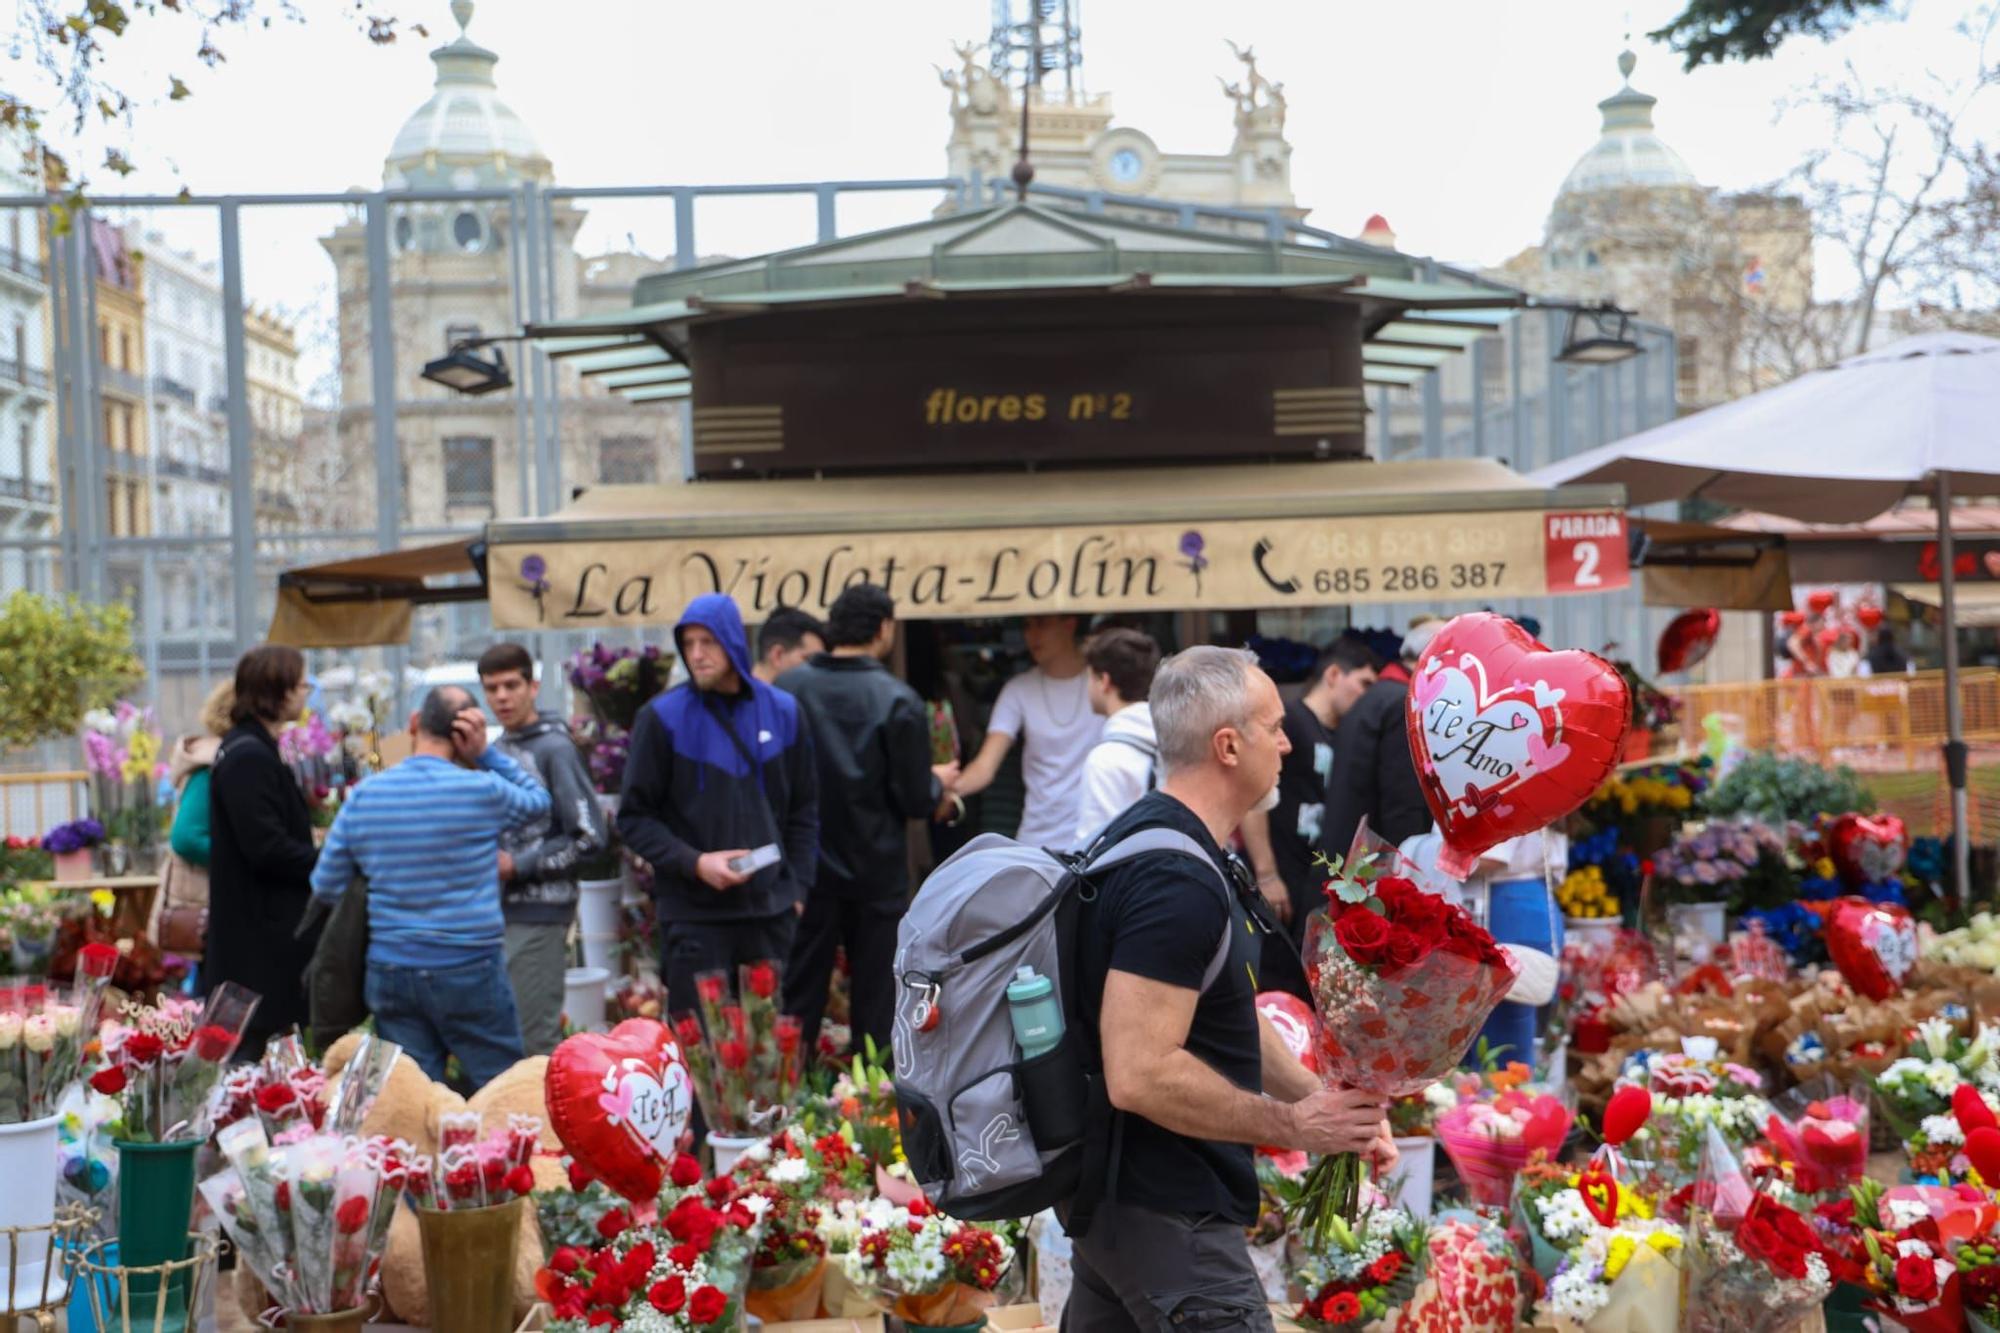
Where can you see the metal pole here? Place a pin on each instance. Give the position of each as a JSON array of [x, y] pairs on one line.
[[153, 617], [684, 258], [95, 450], [1479, 351], [242, 466], [540, 388], [382, 402], [551, 376], [517, 254], [1954, 709], [62, 370]]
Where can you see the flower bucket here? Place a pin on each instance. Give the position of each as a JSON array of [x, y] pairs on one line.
[[81, 1318], [601, 951], [28, 1165], [597, 906], [469, 1265], [1415, 1175], [583, 997], [155, 1201], [726, 1148], [73, 866], [1590, 931], [1708, 921]]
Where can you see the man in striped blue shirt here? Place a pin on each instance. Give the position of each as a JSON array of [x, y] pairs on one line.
[[426, 837]]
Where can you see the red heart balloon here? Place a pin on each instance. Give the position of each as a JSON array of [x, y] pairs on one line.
[[1688, 637], [619, 1101], [1869, 614], [1509, 737], [1626, 1113], [1292, 1018], [1867, 849], [1873, 944], [1820, 601], [1971, 1111], [1982, 1149]]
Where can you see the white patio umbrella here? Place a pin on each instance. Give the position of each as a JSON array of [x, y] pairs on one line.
[[1919, 417]]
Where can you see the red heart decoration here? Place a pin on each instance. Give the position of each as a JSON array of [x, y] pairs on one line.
[[1873, 944], [1982, 1149], [1869, 614], [1508, 736], [619, 1101], [1626, 1114], [1688, 637], [1971, 1111], [1292, 1019], [1867, 849], [1600, 1196]]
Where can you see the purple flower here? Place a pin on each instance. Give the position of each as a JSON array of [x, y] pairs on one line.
[[75, 836]]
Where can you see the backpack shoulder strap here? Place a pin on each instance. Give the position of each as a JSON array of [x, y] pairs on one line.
[[1153, 840]]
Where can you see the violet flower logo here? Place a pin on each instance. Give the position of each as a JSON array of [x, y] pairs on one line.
[[535, 576], [1192, 547]]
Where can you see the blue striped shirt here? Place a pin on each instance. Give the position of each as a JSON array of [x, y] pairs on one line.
[[426, 835]]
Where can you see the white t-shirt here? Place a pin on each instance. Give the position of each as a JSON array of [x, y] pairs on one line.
[[1052, 723]]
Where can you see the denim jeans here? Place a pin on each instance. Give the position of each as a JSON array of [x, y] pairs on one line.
[[465, 1009]]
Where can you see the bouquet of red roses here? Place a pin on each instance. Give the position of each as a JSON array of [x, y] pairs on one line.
[[742, 1053], [165, 1066], [1754, 1263], [1401, 982]]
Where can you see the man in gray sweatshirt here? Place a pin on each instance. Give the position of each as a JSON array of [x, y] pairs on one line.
[[539, 859]]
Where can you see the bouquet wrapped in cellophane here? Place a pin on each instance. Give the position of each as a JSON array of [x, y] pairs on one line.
[[471, 1171], [1401, 982], [310, 1217], [1500, 1122], [1821, 1128], [1753, 1264], [165, 1063], [742, 1053], [923, 1267], [45, 1034]]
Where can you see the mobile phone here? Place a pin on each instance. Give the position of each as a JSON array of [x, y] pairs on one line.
[[753, 861]]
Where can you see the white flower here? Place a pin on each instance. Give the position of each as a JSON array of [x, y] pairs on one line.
[[759, 1151], [1937, 1130], [102, 721], [756, 1205], [1564, 1217], [790, 1171], [38, 1033], [1934, 1035], [67, 1019], [1943, 1077], [1440, 1097], [1577, 1293]]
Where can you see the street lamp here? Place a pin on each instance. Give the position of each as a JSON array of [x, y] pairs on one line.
[[1598, 335], [463, 370]]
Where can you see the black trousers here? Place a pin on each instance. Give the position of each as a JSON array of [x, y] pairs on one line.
[[689, 948], [867, 930], [1139, 1271]]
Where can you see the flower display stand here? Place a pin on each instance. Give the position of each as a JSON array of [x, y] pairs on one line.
[[154, 1298]]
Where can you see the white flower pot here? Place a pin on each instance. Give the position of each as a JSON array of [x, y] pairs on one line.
[[583, 997], [597, 906], [1590, 931], [726, 1148], [28, 1165], [1415, 1171], [1708, 921], [601, 951]]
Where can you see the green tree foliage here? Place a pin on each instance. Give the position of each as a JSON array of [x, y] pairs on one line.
[[1714, 32], [59, 660]]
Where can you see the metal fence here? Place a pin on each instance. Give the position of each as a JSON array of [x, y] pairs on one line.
[[184, 488]]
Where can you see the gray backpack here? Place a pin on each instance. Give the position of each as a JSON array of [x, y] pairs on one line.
[[987, 1134]]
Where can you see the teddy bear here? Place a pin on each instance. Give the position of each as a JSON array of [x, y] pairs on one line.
[[410, 1107]]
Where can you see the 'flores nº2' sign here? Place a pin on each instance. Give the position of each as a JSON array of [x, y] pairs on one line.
[[1116, 379]]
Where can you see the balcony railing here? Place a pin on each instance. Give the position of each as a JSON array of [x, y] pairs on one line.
[[172, 388], [175, 467], [35, 492], [121, 381], [17, 372], [26, 265]]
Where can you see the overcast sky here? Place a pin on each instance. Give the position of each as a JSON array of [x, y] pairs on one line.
[[1457, 119]]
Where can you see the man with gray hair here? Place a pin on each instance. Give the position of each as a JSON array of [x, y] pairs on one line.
[[1374, 773], [426, 836], [1193, 1076]]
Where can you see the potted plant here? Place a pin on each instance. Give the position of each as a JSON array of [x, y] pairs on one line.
[[70, 845]]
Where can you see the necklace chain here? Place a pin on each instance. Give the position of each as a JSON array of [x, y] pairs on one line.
[[1048, 704]]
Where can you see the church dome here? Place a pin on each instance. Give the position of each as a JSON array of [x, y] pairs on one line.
[[1628, 154], [464, 136]]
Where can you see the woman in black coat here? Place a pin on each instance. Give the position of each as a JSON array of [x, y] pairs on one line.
[[262, 854]]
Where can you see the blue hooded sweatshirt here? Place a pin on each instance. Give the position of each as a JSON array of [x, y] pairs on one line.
[[690, 788]]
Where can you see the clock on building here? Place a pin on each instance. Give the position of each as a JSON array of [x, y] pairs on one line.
[[1126, 165]]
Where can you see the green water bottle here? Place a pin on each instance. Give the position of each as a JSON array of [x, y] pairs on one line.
[[1038, 1022]]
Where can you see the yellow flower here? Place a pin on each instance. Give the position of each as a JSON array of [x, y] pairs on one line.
[[1823, 867], [104, 900], [1617, 1255], [1666, 1242]]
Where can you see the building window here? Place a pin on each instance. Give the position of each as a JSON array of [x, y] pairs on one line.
[[469, 232], [125, 350], [454, 334], [468, 472], [406, 233], [627, 460], [1687, 369]]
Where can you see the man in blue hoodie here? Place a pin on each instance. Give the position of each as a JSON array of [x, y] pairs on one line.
[[720, 766]]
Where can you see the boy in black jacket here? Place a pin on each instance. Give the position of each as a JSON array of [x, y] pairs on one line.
[[720, 766]]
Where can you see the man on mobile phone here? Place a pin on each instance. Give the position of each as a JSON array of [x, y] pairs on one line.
[[721, 766]]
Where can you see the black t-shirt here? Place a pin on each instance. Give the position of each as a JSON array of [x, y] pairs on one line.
[[1300, 815], [1161, 917]]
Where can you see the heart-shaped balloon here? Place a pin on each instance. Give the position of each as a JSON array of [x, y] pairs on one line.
[[1508, 736], [1291, 1018], [1970, 1110], [1626, 1113], [619, 1101], [1688, 637], [1869, 614], [1982, 1149], [1820, 601], [1873, 944], [1867, 849]]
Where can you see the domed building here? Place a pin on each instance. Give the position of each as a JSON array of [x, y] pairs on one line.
[[465, 459], [1632, 223]]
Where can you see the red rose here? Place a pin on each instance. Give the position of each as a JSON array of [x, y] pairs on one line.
[[282, 1196], [566, 1260], [604, 1319], [788, 1033], [521, 1180], [687, 1030], [719, 1189], [613, 1223], [668, 1295], [579, 1175], [637, 1265], [762, 979], [570, 1304], [214, 1044], [686, 1170], [711, 987], [1763, 1235], [1839, 1211], [110, 1081], [1363, 935], [142, 1048], [1405, 948], [706, 1305], [732, 1054], [275, 1097], [683, 1256], [1916, 1278], [609, 1287], [351, 1216], [97, 960]]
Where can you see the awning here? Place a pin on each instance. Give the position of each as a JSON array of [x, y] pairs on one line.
[[1468, 532], [1974, 606], [1696, 564], [368, 599]]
